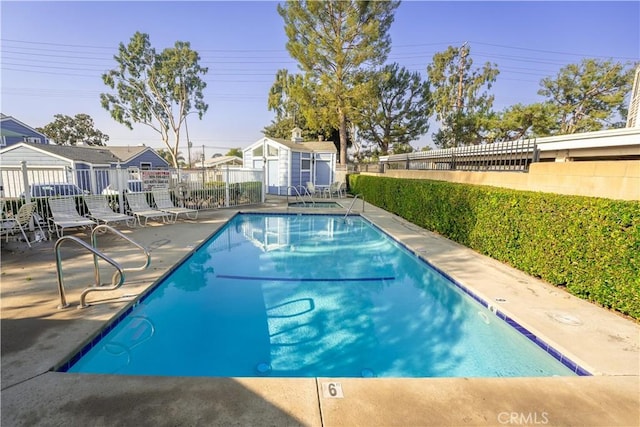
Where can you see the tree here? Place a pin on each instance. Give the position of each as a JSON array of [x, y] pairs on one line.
[[521, 121], [589, 96], [331, 40], [158, 90], [398, 110], [287, 109], [67, 130], [235, 152], [166, 155], [460, 105], [292, 98]]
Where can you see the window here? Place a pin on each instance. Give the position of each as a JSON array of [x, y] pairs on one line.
[[305, 162], [272, 151], [3, 141], [257, 152], [33, 139], [145, 166]]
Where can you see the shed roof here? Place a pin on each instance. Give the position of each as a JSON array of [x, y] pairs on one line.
[[322, 146]]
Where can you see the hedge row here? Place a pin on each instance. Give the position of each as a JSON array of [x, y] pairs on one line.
[[589, 245]]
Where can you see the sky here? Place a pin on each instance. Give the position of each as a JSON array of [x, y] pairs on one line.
[[54, 53]]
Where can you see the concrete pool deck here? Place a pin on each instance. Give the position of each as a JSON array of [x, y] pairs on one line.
[[36, 336]]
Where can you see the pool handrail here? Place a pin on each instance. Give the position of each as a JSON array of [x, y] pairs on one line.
[[94, 243], [119, 271], [118, 277], [298, 195], [352, 203]]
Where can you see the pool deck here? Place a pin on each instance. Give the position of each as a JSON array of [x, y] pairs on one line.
[[37, 336]]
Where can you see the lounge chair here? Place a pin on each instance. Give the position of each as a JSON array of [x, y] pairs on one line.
[[20, 222], [140, 208], [163, 202], [65, 215], [101, 212]]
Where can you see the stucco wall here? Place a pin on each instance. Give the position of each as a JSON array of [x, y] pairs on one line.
[[609, 179]]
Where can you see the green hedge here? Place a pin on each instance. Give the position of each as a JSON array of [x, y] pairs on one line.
[[589, 245]]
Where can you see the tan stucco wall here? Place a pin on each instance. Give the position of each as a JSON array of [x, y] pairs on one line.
[[609, 179]]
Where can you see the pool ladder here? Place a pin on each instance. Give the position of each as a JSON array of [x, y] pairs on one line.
[[118, 277], [299, 196]]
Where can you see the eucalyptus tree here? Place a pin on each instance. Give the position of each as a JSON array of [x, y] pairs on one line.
[[332, 40], [67, 130], [460, 93], [589, 96], [158, 90], [398, 110]]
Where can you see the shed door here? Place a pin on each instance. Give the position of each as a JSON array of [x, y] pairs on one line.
[[323, 172], [273, 184]]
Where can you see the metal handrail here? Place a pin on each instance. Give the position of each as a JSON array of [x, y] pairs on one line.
[[298, 195], [118, 277], [94, 242], [351, 205], [119, 271]]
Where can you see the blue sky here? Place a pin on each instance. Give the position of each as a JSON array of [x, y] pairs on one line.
[[53, 53]]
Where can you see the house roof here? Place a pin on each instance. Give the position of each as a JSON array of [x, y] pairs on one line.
[[4, 117], [126, 153], [221, 160], [96, 155], [92, 155]]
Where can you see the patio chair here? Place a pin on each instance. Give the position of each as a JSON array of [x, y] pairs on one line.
[[20, 222], [65, 215], [140, 208], [311, 189], [336, 188], [101, 212], [163, 202]]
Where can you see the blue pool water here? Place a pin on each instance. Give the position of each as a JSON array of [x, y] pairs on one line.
[[310, 296]]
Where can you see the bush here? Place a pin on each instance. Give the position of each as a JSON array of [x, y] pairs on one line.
[[589, 245]]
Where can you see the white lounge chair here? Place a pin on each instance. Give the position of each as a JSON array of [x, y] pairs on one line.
[[20, 222], [163, 201], [65, 215], [101, 212], [140, 208]]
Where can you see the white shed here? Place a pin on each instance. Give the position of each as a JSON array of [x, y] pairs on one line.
[[292, 163]]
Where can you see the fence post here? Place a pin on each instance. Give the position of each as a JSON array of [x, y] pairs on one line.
[[119, 187], [27, 190], [25, 181], [226, 187]]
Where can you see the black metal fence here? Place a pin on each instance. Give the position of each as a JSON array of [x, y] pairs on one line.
[[511, 156]]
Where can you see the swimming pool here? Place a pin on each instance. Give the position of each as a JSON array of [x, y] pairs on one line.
[[311, 296]]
